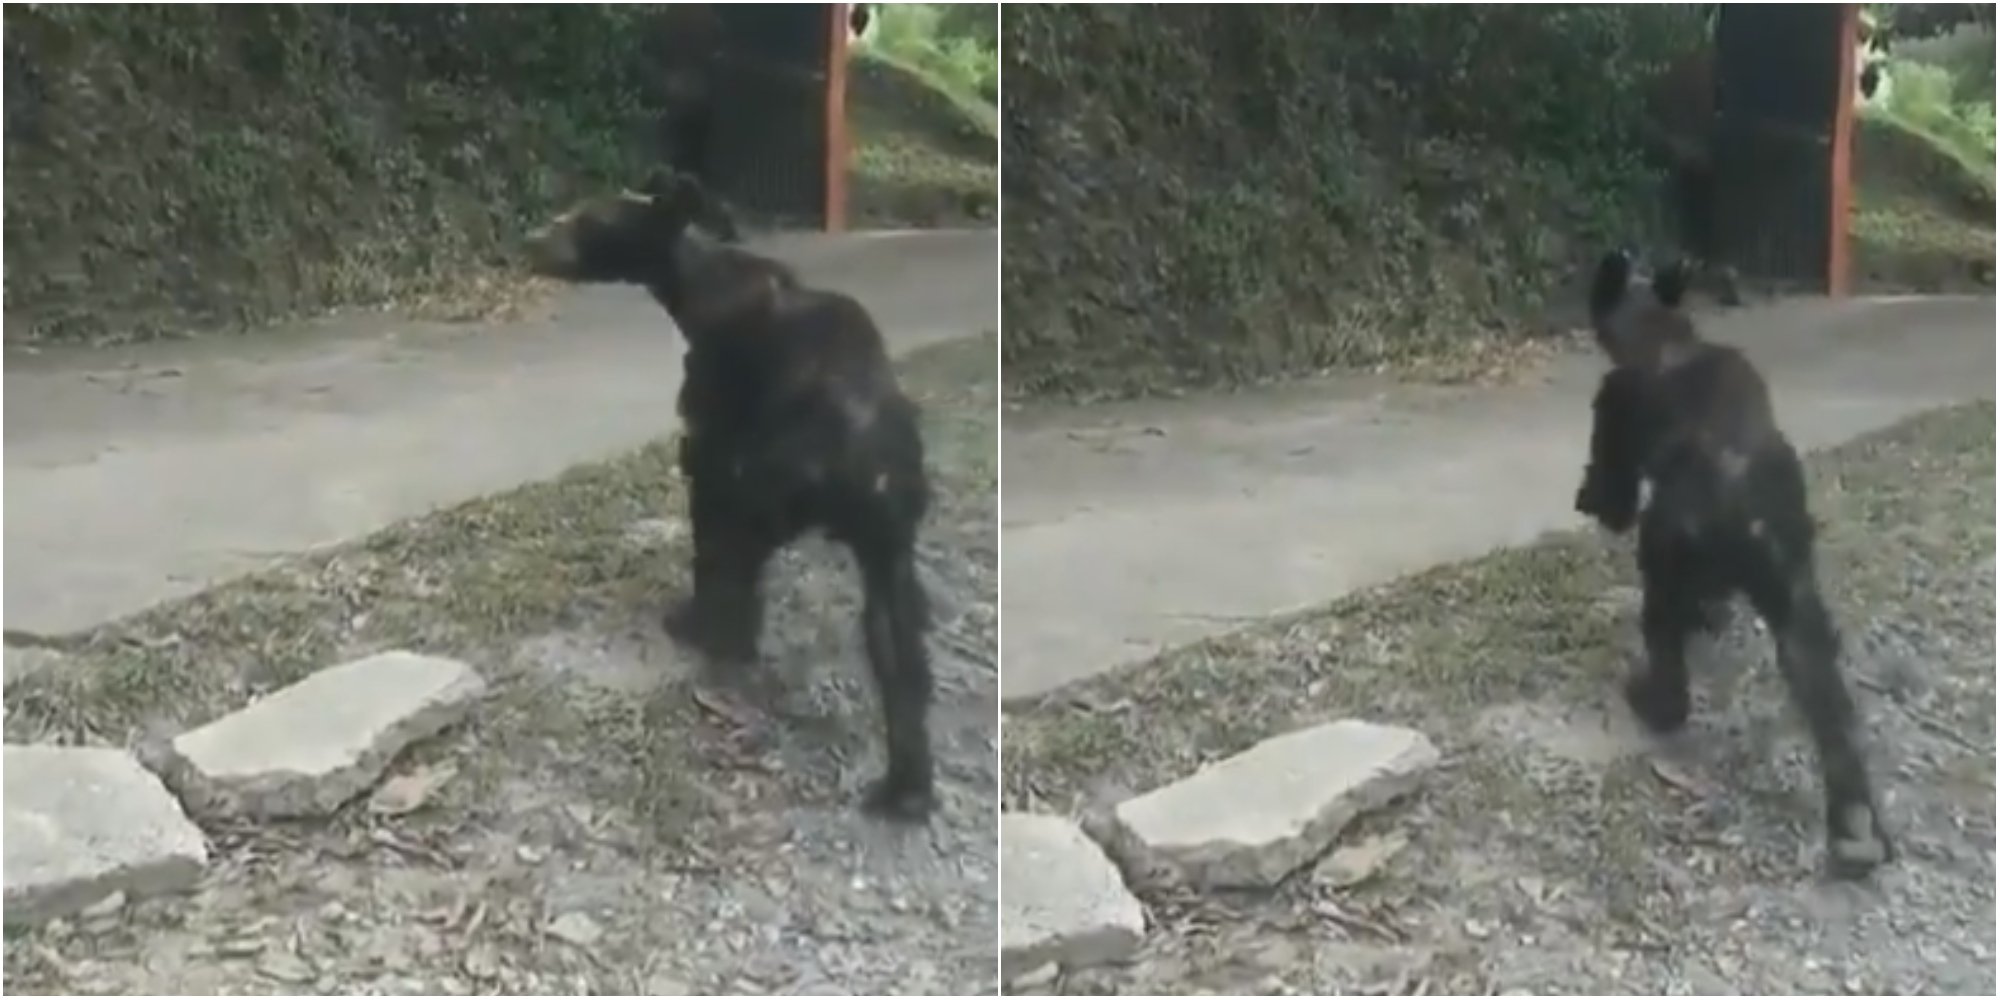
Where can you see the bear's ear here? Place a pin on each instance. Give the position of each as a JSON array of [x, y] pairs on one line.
[[1670, 282], [1608, 283]]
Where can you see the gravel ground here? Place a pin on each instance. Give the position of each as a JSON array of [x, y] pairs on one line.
[[603, 825], [1558, 851]]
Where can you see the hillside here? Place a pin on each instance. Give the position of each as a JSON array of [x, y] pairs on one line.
[[191, 168], [1206, 196]]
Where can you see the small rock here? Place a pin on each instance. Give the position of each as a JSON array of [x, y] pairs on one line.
[[285, 968], [1532, 887], [480, 963], [1035, 978], [306, 749], [242, 946], [1063, 902], [661, 984], [406, 793], [104, 908], [1277, 955], [1250, 820], [651, 533], [1353, 864], [576, 928]]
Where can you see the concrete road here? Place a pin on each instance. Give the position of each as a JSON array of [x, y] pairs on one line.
[[1132, 528], [137, 476]]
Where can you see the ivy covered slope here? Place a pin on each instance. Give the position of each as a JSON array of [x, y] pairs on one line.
[[189, 167], [1205, 194]]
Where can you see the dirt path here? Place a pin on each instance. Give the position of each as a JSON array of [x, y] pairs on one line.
[[1557, 851], [249, 449], [1137, 527], [602, 826]]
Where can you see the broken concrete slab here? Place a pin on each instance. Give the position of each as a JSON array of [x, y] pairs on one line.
[[1062, 901], [306, 749], [87, 823], [1250, 820]]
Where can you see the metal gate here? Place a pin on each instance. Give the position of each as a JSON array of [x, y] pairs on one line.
[[1783, 128], [779, 147]]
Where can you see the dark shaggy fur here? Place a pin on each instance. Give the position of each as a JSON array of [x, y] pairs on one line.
[[792, 422], [1727, 515]]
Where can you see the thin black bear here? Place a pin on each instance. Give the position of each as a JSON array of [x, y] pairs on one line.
[[1727, 514], [793, 421]]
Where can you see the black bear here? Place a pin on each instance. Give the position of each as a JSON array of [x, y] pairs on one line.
[[1727, 514], [793, 421]]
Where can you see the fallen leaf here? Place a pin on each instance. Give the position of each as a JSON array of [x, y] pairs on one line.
[[726, 708], [407, 792], [1356, 863], [241, 946], [1673, 774], [285, 968], [576, 928]]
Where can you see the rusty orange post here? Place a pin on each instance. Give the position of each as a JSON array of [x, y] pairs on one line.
[[1840, 177], [836, 118]]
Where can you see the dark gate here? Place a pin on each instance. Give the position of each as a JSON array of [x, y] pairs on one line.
[[1784, 111], [779, 147]]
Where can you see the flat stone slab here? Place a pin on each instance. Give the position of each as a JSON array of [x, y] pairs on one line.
[[1250, 820], [306, 749], [1062, 902], [85, 823]]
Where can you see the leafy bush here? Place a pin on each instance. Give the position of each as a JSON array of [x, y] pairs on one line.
[[1924, 159], [1924, 98], [921, 103], [1966, 53], [942, 42]]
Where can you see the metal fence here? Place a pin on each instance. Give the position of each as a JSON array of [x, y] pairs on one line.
[[778, 145], [1784, 86]]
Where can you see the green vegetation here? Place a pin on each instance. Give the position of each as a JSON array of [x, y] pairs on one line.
[[1924, 159], [1925, 98], [1204, 196], [946, 45], [1200, 195], [175, 168], [922, 96]]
